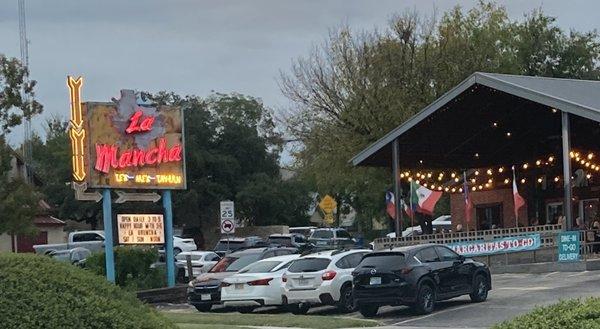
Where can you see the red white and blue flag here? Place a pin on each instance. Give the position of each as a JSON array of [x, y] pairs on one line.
[[390, 206]]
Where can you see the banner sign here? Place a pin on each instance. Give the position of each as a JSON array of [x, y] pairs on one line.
[[140, 229], [568, 246], [126, 143], [497, 246]]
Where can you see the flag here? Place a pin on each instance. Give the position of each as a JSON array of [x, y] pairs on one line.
[[468, 203], [519, 201], [423, 198], [407, 209], [390, 204]]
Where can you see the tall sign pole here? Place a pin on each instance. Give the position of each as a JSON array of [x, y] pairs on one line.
[[170, 258], [108, 235], [566, 157]]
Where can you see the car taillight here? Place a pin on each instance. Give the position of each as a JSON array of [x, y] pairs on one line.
[[284, 278], [225, 284], [329, 275], [261, 282]]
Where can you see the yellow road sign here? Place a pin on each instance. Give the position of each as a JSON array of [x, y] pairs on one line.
[[328, 204], [328, 218]]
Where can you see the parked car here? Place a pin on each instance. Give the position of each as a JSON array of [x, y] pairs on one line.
[[289, 240], [304, 230], [202, 261], [228, 245], [205, 290], [417, 276], [75, 256], [257, 284], [331, 238], [90, 240], [180, 244], [443, 222], [321, 278]]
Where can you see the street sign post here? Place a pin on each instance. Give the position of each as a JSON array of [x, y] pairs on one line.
[[227, 217]]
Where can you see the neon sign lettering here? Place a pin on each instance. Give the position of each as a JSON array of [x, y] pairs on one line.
[[134, 126], [108, 156]]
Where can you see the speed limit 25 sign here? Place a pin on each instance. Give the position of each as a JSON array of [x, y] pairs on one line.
[[227, 217]]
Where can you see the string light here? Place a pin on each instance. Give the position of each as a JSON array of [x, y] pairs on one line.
[[473, 180], [490, 172], [501, 169], [453, 190], [588, 176], [538, 162], [556, 179], [508, 134], [550, 158], [476, 172], [453, 175], [456, 179], [506, 181], [522, 180], [473, 188], [540, 180], [525, 166]]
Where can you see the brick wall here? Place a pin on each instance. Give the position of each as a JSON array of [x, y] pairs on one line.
[[503, 196]]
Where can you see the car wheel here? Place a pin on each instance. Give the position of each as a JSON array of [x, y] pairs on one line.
[[368, 311], [346, 303], [203, 307], [298, 309], [245, 310], [425, 300], [176, 251], [480, 289]]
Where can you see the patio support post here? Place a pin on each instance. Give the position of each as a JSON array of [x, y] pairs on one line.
[[397, 187], [566, 162]]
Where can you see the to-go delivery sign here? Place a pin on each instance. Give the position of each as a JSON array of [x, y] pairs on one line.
[[141, 229]]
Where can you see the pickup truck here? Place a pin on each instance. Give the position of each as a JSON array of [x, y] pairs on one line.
[[90, 240]]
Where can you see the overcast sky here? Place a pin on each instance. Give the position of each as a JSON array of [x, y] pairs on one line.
[[194, 47]]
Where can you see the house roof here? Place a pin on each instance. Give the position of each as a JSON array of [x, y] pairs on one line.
[[47, 221], [459, 122]]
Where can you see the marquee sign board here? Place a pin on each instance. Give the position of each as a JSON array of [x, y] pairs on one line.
[[141, 229], [126, 145]]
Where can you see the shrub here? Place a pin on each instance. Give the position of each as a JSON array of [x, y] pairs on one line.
[[132, 268], [39, 292], [575, 313]]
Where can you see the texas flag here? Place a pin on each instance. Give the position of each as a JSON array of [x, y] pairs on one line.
[[424, 198], [519, 201], [390, 204]]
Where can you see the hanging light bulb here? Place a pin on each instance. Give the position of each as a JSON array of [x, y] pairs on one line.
[[522, 180], [428, 175], [453, 189], [456, 179], [480, 187], [425, 184], [590, 156], [446, 189], [418, 181], [506, 181], [501, 169], [587, 164], [410, 179], [538, 162], [422, 176], [473, 188], [439, 188], [487, 185], [588, 176], [554, 110], [495, 124], [402, 175], [550, 158], [539, 180], [489, 172], [582, 161], [460, 190], [432, 187], [525, 166], [556, 179], [508, 134], [473, 180], [490, 181], [572, 154], [453, 175], [476, 172]]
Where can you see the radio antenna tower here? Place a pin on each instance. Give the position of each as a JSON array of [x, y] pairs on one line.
[[24, 45]]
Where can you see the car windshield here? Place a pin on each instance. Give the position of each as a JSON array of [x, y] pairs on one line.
[[391, 261], [231, 245], [222, 265], [261, 267], [309, 265], [282, 240], [242, 262], [322, 234]]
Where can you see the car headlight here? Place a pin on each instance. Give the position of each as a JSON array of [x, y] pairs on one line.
[[191, 283]]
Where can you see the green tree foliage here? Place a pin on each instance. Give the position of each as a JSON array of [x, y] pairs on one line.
[[18, 200], [356, 87]]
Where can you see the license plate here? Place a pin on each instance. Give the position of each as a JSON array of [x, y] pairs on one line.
[[239, 286], [303, 282], [375, 280], [205, 297]]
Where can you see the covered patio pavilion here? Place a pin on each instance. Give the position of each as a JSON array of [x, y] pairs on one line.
[[547, 128]]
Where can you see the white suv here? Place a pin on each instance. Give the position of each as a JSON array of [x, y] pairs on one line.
[[321, 278]]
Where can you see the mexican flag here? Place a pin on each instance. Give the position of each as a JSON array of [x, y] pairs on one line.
[[423, 199]]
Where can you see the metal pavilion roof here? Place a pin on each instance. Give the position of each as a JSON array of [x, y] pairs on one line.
[[523, 102]]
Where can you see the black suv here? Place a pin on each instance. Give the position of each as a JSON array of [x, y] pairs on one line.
[[205, 291], [417, 276]]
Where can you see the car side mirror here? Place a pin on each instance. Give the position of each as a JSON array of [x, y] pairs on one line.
[[460, 259]]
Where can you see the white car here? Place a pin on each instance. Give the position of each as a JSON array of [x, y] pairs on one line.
[[202, 261], [321, 278], [257, 284], [181, 244], [442, 222]]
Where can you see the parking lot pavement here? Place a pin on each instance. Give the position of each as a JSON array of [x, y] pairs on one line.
[[512, 294]]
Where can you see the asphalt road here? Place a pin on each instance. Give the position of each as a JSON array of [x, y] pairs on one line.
[[512, 295]]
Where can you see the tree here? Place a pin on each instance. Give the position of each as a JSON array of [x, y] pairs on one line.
[[357, 87]]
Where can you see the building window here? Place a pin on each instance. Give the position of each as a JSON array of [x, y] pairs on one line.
[[489, 216]]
